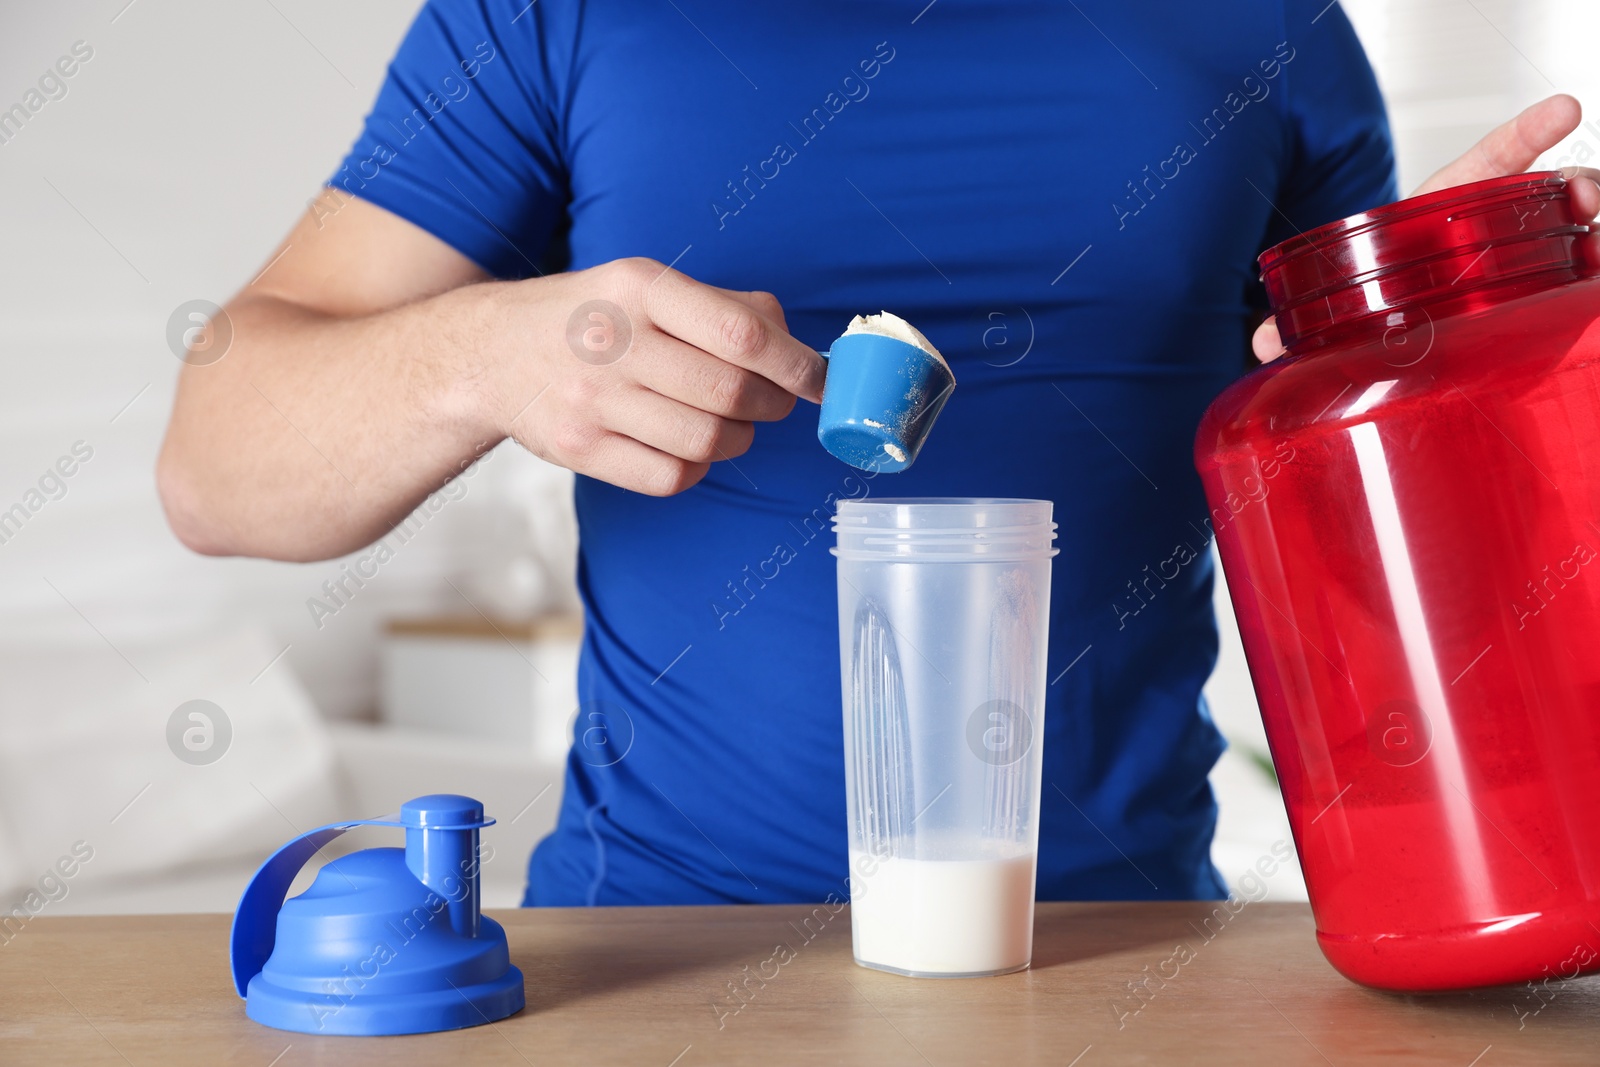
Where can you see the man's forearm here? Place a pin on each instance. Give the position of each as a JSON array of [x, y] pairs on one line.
[[349, 392], [315, 434]]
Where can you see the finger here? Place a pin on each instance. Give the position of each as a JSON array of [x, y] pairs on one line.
[[686, 374], [733, 331], [1512, 147], [624, 462], [1583, 185], [763, 303], [1266, 342], [676, 429]]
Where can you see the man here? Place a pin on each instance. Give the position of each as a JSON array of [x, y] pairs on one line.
[[1067, 199]]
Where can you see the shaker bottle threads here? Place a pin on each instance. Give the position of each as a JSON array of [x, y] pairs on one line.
[[943, 619]]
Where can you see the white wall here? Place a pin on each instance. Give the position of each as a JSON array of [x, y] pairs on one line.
[[1450, 68]]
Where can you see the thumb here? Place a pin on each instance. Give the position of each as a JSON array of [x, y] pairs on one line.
[[1266, 342]]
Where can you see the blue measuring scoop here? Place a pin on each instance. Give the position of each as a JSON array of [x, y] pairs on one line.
[[879, 401]]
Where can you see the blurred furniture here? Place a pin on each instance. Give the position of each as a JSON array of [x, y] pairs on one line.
[[690, 986], [94, 763], [507, 681], [86, 732], [374, 769], [381, 767]]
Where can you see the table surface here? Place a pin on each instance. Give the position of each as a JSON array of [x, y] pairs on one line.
[[651, 986]]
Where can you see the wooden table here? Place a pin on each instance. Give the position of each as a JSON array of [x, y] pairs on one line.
[[651, 986]]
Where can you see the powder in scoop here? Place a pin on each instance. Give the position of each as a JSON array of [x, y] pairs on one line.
[[885, 324]]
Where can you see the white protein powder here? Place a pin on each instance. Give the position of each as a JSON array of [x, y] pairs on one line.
[[885, 324], [943, 916]]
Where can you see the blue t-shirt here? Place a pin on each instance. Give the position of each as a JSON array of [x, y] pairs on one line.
[[1066, 198]]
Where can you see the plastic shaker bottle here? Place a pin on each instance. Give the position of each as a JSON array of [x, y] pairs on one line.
[[943, 625]]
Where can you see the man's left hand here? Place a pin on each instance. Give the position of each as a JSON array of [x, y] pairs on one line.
[[1508, 149]]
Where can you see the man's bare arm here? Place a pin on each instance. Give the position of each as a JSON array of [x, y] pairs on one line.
[[372, 361]]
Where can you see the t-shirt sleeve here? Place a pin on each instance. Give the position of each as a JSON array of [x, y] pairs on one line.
[[1341, 156], [464, 138]]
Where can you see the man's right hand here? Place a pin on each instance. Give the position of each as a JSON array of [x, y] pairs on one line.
[[633, 373], [370, 363]]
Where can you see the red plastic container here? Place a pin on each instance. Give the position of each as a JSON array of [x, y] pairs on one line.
[[1407, 508]]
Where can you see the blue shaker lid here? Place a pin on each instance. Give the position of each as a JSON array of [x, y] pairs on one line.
[[385, 941]]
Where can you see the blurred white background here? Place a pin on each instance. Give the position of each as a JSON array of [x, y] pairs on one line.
[[181, 152]]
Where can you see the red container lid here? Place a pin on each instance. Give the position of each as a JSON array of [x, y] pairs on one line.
[[1420, 249]]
